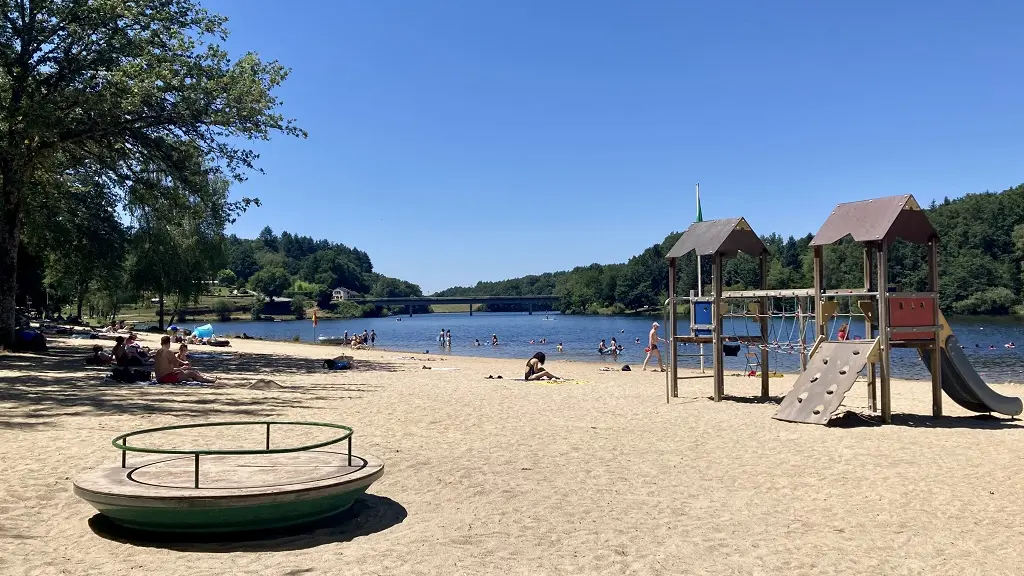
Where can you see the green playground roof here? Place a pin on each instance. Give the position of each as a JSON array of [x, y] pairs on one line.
[[879, 219], [726, 236]]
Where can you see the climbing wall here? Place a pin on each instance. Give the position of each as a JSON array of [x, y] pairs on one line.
[[831, 372]]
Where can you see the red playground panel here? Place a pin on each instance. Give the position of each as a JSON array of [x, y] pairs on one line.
[[910, 312]]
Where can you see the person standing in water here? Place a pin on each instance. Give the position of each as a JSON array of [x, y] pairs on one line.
[[652, 347], [448, 339], [373, 337], [494, 339], [440, 339]]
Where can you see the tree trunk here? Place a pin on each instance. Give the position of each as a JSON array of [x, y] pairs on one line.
[[8, 279], [10, 232], [161, 313], [81, 301]]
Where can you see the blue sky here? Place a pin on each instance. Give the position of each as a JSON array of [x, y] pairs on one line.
[[458, 141]]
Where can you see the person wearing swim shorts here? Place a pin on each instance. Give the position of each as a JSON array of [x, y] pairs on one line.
[[652, 347], [170, 370]]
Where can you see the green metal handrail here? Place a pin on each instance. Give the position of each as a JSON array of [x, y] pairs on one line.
[[121, 442]]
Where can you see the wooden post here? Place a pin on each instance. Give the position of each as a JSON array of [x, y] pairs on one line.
[[872, 388], [884, 367], [763, 320], [819, 286], [933, 281], [801, 314], [672, 387], [716, 319]]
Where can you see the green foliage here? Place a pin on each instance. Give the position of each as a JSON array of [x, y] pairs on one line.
[[177, 241], [271, 282], [256, 312], [226, 278], [223, 309], [980, 265], [997, 300], [122, 91], [299, 305]]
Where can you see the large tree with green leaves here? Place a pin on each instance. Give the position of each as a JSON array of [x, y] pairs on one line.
[[81, 236], [123, 87], [178, 239]]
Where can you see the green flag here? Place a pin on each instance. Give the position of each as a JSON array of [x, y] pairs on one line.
[[700, 216]]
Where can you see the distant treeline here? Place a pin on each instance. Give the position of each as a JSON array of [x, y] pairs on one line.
[[299, 267], [980, 266]]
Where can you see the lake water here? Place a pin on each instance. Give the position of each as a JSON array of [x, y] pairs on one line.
[[580, 336]]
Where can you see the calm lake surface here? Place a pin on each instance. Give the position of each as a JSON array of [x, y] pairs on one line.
[[580, 336]]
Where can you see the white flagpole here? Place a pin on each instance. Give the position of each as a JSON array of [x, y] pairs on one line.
[[700, 285]]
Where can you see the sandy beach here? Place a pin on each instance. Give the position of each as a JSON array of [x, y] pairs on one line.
[[484, 476]]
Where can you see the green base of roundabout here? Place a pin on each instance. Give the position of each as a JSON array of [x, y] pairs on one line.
[[238, 518], [225, 491]]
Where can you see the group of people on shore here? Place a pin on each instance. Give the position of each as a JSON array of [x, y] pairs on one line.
[[367, 338], [169, 367], [535, 369]]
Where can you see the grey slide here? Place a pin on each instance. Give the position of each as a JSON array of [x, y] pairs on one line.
[[961, 382]]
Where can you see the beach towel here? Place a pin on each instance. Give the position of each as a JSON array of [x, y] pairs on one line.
[[110, 380]]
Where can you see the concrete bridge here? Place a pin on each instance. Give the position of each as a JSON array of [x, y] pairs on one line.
[[528, 301]]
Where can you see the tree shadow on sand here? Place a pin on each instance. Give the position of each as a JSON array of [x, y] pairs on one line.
[[59, 383], [369, 514]]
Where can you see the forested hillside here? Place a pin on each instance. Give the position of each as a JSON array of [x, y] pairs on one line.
[[981, 255], [292, 265]]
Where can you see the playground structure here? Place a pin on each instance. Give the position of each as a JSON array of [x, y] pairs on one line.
[[829, 368], [195, 490]]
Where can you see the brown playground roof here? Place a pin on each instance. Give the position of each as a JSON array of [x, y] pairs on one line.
[[726, 236], [879, 219]]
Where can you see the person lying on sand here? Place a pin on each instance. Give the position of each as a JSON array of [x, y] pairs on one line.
[[535, 368], [170, 370]]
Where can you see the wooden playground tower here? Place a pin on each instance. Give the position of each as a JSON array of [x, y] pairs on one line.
[[891, 319]]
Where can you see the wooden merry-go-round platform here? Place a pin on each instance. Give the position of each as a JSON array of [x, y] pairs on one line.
[[227, 490]]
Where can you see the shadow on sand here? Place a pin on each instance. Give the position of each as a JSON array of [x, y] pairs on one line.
[[749, 399], [852, 419], [59, 383], [369, 514]]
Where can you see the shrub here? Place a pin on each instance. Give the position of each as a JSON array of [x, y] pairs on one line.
[[257, 309], [299, 307], [223, 309], [997, 300], [226, 278]]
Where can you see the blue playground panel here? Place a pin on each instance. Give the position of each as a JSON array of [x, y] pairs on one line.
[[702, 315]]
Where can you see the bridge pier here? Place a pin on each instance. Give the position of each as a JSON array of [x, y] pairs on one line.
[[531, 309], [410, 310], [470, 309]]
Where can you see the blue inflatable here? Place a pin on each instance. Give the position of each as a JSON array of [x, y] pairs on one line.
[[204, 331]]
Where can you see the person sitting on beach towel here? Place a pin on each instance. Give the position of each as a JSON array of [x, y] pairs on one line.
[[99, 357], [170, 370], [182, 354], [535, 368], [120, 354]]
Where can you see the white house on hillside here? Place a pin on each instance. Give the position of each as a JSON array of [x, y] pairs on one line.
[[339, 294]]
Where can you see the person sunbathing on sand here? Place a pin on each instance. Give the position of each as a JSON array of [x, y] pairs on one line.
[[170, 370], [535, 368]]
